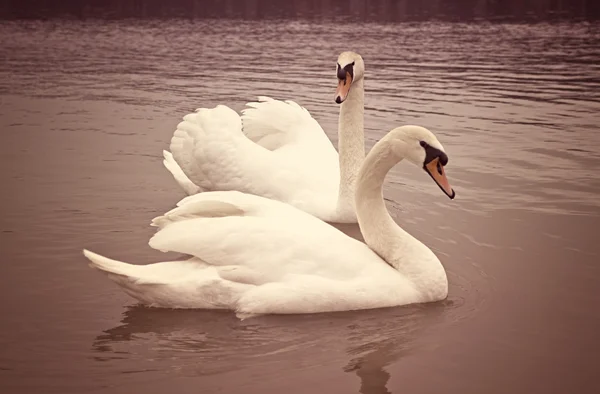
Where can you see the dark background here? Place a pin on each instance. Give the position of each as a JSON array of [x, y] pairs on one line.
[[366, 10]]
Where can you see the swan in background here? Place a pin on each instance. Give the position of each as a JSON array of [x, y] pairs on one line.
[[277, 150], [254, 256]]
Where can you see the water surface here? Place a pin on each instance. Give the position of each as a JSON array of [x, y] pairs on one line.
[[87, 105]]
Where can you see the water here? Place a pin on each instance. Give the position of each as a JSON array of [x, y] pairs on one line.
[[87, 105]]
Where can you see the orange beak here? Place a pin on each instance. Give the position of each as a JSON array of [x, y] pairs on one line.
[[436, 171], [343, 88]]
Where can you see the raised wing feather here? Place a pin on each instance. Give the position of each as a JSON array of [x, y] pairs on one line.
[[275, 124]]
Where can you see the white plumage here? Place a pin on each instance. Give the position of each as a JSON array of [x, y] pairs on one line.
[[254, 255], [281, 152]]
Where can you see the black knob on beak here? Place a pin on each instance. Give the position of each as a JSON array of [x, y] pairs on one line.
[[341, 73]]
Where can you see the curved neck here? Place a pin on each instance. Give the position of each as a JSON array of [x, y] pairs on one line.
[[396, 246], [351, 144], [377, 226]]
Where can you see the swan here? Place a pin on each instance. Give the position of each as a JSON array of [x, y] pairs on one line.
[[277, 150], [253, 255]]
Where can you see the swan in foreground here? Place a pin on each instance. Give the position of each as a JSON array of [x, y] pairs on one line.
[[281, 152], [255, 256]]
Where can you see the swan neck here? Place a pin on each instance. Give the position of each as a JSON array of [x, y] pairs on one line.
[[351, 144], [376, 225], [381, 233]]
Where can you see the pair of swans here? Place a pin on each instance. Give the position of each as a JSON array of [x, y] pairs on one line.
[[258, 255]]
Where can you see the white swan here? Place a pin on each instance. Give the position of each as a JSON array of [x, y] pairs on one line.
[[281, 152], [253, 255]]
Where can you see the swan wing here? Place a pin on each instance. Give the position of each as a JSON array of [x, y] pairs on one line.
[[234, 228], [214, 154], [276, 124]]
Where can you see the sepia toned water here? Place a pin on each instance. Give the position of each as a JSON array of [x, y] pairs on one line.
[[87, 106]]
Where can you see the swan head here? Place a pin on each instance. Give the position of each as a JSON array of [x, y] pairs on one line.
[[350, 68], [421, 147]]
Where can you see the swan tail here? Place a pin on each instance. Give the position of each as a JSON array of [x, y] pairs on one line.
[[176, 284], [113, 268], [128, 277], [170, 164]]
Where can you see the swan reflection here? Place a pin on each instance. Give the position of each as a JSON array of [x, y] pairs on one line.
[[200, 343]]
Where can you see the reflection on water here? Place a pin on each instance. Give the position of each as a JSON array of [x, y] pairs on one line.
[[90, 98], [204, 343]]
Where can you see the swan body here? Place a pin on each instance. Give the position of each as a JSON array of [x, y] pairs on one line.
[[272, 263], [277, 150], [255, 255]]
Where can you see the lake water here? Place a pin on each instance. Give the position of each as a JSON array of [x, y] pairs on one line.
[[90, 96]]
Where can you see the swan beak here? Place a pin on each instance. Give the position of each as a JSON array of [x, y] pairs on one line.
[[439, 176], [343, 88]]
